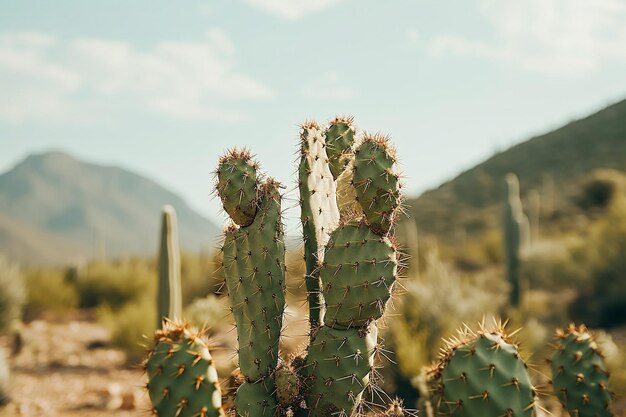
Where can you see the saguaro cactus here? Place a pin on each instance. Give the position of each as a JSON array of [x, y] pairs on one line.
[[513, 231], [169, 296], [579, 375], [482, 374], [254, 267]]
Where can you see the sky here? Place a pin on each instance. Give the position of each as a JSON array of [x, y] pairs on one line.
[[163, 88]]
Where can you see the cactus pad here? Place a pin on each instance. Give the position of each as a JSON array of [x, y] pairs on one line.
[[337, 369], [376, 182], [357, 275], [255, 400], [237, 185], [319, 210], [254, 267], [482, 374], [182, 378], [580, 378], [339, 141]]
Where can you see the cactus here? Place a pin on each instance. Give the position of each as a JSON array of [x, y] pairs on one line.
[[254, 268], [376, 182], [513, 226], [12, 296], [357, 274], [182, 377], [319, 212], [351, 270], [579, 375], [481, 374], [169, 295]]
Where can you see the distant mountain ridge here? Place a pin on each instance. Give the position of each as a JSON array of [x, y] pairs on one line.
[[556, 160], [56, 209]]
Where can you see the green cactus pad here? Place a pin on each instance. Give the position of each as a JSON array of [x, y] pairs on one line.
[[237, 185], [579, 375], [337, 369], [255, 400], [339, 141], [254, 267], [377, 183], [319, 212], [182, 380], [357, 275], [482, 374]]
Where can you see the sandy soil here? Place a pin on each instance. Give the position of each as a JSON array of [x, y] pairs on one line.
[[67, 369]]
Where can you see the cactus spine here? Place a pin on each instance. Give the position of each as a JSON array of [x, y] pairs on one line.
[[579, 375], [169, 296], [513, 226], [481, 374], [254, 268]]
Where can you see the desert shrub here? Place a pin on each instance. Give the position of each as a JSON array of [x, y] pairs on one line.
[[47, 290], [201, 275], [130, 325], [552, 265], [115, 284], [603, 304], [208, 312], [12, 294], [600, 189], [434, 306]]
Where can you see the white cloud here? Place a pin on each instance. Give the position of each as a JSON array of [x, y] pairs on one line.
[[44, 79], [292, 9], [327, 87], [564, 38]]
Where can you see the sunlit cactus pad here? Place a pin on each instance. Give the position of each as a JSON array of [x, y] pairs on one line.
[[579, 375], [357, 275], [481, 374], [182, 380]]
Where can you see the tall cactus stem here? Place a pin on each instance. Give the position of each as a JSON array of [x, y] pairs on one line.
[[169, 296]]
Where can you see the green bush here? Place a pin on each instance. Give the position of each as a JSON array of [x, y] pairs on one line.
[[554, 265], [115, 284], [47, 290], [601, 189], [208, 312], [200, 275], [12, 294], [130, 326], [603, 305]]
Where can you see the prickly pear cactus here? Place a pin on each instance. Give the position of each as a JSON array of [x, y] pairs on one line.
[[481, 374], [376, 182], [169, 295], [579, 375], [319, 212], [358, 272], [338, 366], [340, 136], [237, 185], [182, 380], [255, 399]]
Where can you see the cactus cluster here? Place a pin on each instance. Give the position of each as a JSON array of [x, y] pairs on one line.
[[579, 375], [481, 373]]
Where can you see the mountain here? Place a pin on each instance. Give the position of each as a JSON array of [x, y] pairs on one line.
[[552, 164], [56, 209]]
